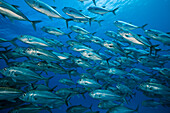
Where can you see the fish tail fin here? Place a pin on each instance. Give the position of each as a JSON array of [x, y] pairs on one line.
[[69, 73], [152, 47], [90, 19], [91, 107], [94, 2], [53, 88], [67, 20], [13, 41], [142, 27], [67, 99], [47, 80], [99, 22], [69, 35], [137, 109], [94, 33], [34, 23], [49, 109], [107, 60], [156, 50], [114, 10]]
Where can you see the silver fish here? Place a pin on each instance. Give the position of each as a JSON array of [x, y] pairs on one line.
[[13, 13]]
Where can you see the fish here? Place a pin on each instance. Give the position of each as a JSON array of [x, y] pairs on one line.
[[104, 95], [65, 92], [126, 61], [74, 13], [82, 38], [113, 47], [13, 13], [89, 83], [22, 74], [124, 89], [159, 36], [130, 36], [80, 30], [155, 88], [91, 55], [54, 43], [34, 41], [86, 75], [82, 63], [88, 0], [140, 72], [100, 10], [127, 26], [122, 109], [77, 109], [52, 67], [115, 36], [40, 97], [7, 93], [40, 54], [54, 31], [150, 62], [151, 103], [115, 71], [68, 82], [62, 56], [80, 48], [28, 109], [97, 40], [107, 104], [46, 9]]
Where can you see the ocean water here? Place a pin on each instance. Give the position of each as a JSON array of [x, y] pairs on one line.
[[155, 13]]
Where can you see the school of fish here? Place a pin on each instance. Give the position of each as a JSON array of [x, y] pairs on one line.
[[109, 74]]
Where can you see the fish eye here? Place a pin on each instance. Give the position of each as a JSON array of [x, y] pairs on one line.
[[90, 55], [39, 64]]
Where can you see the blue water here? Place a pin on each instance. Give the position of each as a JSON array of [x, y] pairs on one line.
[[155, 13]]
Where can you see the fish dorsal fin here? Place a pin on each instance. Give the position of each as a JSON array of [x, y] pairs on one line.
[[54, 7], [15, 6]]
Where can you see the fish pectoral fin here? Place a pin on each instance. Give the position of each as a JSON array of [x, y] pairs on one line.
[[50, 18], [39, 54], [54, 7], [15, 6]]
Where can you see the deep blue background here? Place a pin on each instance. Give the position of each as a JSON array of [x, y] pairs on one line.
[[153, 12]]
